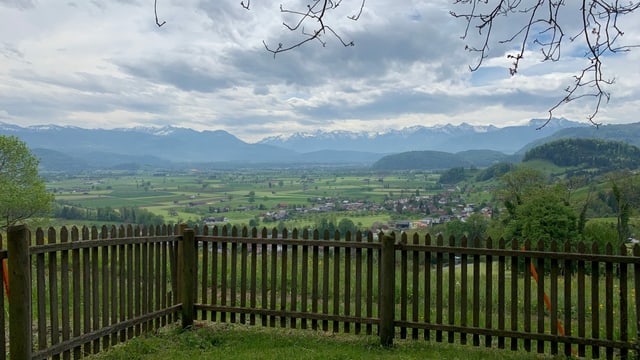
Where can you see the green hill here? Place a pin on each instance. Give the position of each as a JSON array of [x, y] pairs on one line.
[[485, 158], [420, 160], [628, 133], [604, 155]]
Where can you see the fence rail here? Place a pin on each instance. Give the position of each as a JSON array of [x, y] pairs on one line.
[[92, 288]]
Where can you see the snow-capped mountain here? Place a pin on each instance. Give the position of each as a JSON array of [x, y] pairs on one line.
[[450, 138]]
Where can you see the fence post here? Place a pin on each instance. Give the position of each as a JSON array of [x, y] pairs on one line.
[[188, 277], [20, 292], [387, 290]]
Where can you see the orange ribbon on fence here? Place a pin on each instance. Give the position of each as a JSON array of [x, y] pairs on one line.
[[547, 302]]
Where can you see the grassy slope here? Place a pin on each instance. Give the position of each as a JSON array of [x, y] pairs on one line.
[[225, 341]]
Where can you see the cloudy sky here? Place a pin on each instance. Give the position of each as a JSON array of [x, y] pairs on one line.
[[105, 64]]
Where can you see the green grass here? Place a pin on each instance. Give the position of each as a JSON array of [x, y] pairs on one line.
[[226, 341]]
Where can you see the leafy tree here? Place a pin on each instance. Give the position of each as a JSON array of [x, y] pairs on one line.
[[626, 192], [23, 194], [543, 215], [600, 233], [345, 225], [535, 209], [516, 184], [452, 176], [474, 226]]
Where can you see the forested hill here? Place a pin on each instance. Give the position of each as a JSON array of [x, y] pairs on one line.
[[593, 153], [420, 160]]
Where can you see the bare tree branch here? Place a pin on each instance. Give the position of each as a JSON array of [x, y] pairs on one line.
[[316, 13], [599, 33], [541, 28], [155, 10]]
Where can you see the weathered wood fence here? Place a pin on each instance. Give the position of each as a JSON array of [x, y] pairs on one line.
[[86, 290]]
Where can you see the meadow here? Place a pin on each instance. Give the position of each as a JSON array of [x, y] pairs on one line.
[[242, 197], [231, 341]]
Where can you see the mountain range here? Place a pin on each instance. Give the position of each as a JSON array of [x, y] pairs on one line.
[[72, 148]]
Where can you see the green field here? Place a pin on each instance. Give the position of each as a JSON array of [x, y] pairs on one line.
[[237, 196], [229, 341]]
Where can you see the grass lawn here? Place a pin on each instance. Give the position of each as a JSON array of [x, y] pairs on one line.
[[232, 341]]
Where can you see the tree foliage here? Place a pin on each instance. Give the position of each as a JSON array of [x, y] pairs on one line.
[[605, 155], [23, 194], [535, 210], [452, 176]]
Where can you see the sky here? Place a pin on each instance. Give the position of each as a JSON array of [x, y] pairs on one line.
[[105, 64]]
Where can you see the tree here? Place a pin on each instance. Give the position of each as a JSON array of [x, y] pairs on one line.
[[23, 194], [625, 191], [544, 216], [535, 210], [345, 225], [545, 25]]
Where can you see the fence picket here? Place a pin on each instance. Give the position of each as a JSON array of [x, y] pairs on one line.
[[294, 279], [464, 286], [608, 290], [214, 275], [53, 290], [595, 301], [488, 298], [95, 296], [325, 282], [243, 275], [415, 277], [501, 292], [358, 288], [514, 294], [336, 282], [122, 282], [348, 254], [223, 275], [254, 275], [636, 286], [284, 263], [404, 275], [113, 234], [427, 286], [314, 280], [540, 295], [86, 286], [369, 283], [553, 293], [476, 292], [106, 284], [234, 274], [567, 299], [581, 299], [130, 269], [439, 290], [304, 290], [138, 261], [64, 287], [3, 293], [273, 285], [623, 293], [451, 316], [264, 277], [41, 294]]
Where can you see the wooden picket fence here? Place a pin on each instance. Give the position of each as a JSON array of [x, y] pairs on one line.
[[92, 288]]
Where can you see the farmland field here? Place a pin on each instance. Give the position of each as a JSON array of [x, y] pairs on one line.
[[239, 196]]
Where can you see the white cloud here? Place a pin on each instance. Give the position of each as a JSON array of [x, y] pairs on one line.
[[106, 64]]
